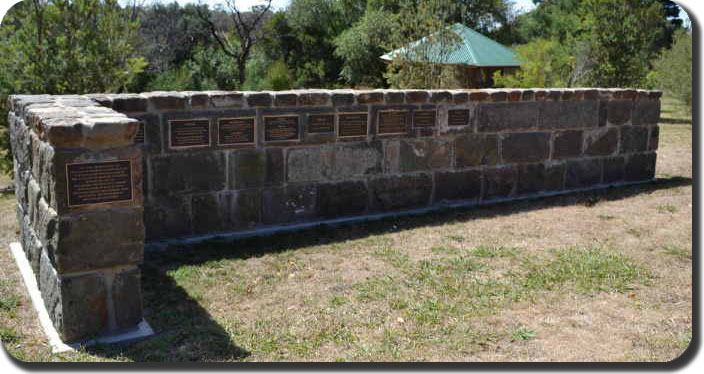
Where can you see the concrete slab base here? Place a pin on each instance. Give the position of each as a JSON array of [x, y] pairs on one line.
[[141, 331]]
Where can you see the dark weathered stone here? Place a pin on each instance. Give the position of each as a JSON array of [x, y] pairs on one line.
[[460, 97], [514, 95], [654, 138], [188, 172], [528, 95], [583, 173], [357, 159], [478, 96], [568, 114], [646, 112], [431, 154], [601, 141], [499, 182], [199, 101], [98, 239], [226, 100], [168, 102], [618, 112], [634, 139], [554, 176], [50, 289], [475, 150], [400, 192], [614, 169], [256, 168], [567, 144], [129, 103], [417, 97], [244, 208], [394, 97], [314, 98], [369, 97], [127, 298], [441, 97], [309, 164], [531, 179], [340, 98], [289, 204], [209, 213], [285, 99], [507, 116], [461, 185], [342, 199], [167, 217], [525, 147], [640, 167], [258, 99], [84, 306]]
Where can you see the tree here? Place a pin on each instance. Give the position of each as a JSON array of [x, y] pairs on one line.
[[674, 68], [544, 63], [422, 42], [66, 47], [360, 47], [247, 33], [622, 37]]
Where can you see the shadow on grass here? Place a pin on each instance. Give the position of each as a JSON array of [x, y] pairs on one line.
[[676, 121], [187, 332]]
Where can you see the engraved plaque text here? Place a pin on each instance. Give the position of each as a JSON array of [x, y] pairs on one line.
[[320, 123], [352, 124], [424, 118], [280, 128], [393, 122], [457, 117], [235, 131], [99, 182], [189, 133]]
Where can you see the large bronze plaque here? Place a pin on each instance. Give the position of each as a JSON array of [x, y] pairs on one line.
[[457, 117], [424, 118], [235, 131], [393, 122], [189, 133], [139, 137], [280, 128], [321, 123], [99, 182], [352, 124]]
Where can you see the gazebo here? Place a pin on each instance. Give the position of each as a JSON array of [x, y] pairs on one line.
[[475, 56]]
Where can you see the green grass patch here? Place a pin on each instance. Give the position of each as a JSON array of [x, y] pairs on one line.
[[666, 209], [588, 270], [9, 303], [9, 335], [493, 251], [522, 333], [678, 252], [456, 238]]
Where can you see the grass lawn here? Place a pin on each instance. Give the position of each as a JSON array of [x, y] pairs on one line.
[[601, 276]]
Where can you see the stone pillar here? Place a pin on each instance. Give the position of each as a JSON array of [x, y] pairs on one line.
[[80, 208]]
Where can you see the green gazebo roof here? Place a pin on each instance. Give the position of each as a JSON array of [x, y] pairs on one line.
[[473, 49]]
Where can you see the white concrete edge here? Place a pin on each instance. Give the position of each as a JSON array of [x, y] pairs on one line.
[[143, 329], [159, 245]]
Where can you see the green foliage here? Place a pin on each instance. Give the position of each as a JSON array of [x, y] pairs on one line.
[[279, 77], [674, 69], [544, 63], [415, 66], [622, 40], [360, 47], [62, 47]]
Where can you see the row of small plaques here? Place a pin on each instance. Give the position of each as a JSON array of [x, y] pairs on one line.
[[240, 131]]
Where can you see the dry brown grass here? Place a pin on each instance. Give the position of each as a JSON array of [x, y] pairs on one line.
[[481, 284]]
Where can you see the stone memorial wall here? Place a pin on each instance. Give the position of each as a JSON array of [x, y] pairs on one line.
[[97, 175]]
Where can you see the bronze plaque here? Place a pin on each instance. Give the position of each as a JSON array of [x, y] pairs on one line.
[[280, 128], [139, 137], [352, 124], [189, 133], [99, 182], [424, 118], [320, 123], [393, 122], [457, 117], [235, 131]]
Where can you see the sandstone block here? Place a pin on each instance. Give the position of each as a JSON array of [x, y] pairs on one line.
[[400, 192], [244, 208], [499, 182], [525, 147], [583, 173], [309, 164], [342, 199], [495, 117], [461, 185], [614, 169], [640, 167], [289, 204], [634, 139], [84, 306], [258, 99], [475, 150], [618, 112], [127, 298], [256, 168], [188, 172], [167, 217], [567, 144], [654, 140], [418, 155], [357, 159], [601, 141]]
